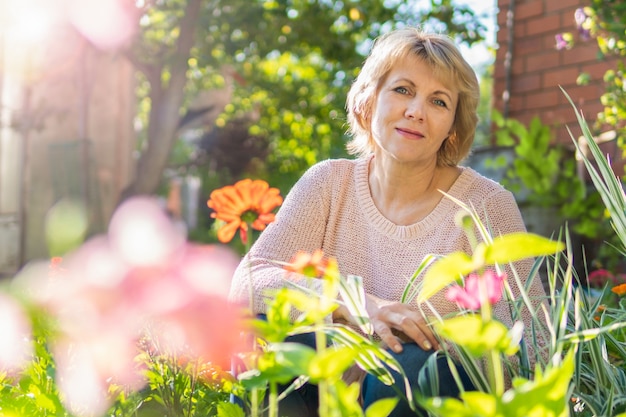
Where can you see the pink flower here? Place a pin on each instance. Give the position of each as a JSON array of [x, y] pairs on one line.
[[583, 21], [469, 296], [15, 328], [141, 273], [600, 277], [561, 43]]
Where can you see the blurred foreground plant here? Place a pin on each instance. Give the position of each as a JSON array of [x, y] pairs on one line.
[[339, 346], [91, 314]]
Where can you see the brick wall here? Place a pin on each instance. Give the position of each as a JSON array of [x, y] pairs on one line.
[[538, 68]]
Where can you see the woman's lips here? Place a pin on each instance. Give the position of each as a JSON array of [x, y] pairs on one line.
[[411, 134]]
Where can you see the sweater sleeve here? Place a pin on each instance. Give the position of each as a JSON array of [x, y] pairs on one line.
[[299, 226]]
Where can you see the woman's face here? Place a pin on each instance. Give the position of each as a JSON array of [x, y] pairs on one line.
[[413, 113]]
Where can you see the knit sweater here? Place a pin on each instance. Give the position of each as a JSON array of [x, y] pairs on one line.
[[331, 208]]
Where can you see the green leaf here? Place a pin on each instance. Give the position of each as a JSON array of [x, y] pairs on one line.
[[448, 407], [546, 395], [515, 246], [281, 363], [353, 295], [473, 334], [481, 403], [381, 408], [344, 399], [331, 363], [229, 410], [445, 271]]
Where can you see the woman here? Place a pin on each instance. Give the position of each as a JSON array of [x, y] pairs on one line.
[[412, 116]]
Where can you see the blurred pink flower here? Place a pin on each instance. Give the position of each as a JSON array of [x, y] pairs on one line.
[[599, 278], [583, 23], [16, 340], [469, 296], [143, 273]]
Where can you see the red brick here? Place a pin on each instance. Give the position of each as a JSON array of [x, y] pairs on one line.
[[529, 9], [549, 40], [562, 5], [525, 117], [562, 136], [519, 29], [581, 54], [597, 69], [499, 70], [560, 76], [567, 19], [563, 114], [543, 24], [516, 103], [542, 99], [543, 61], [528, 45], [526, 82], [502, 37], [501, 19], [586, 97], [518, 65]]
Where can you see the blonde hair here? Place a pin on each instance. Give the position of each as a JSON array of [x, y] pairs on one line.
[[446, 61]]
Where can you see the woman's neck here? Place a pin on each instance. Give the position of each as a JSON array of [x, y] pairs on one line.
[[407, 193]]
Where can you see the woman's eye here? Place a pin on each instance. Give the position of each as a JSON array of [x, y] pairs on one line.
[[401, 90], [440, 102]]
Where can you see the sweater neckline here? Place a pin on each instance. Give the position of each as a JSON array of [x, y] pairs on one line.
[[401, 232]]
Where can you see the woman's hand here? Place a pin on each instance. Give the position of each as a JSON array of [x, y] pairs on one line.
[[390, 318]]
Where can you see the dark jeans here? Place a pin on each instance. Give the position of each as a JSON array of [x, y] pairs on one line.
[[412, 359], [304, 401]]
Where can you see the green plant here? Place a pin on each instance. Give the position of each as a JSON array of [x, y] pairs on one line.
[[605, 21], [544, 174], [600, 378], [479, 336], [277, 362]]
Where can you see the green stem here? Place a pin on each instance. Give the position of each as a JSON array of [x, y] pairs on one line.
[[323, 393], [254, 394], [494, 361], [273, 400], [496, 372], [254, 403]]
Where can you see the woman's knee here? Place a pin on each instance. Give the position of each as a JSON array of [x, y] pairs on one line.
[[418, 366]]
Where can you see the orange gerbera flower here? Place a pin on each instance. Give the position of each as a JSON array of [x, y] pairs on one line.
[[245, 203], [310, 264], [619, 289]]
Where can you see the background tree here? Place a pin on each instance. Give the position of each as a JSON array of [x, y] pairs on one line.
[[264, 78]]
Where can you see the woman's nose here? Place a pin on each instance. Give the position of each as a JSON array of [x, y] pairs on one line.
[[414, 109]]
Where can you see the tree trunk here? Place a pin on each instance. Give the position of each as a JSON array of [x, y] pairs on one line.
[[164, 116]]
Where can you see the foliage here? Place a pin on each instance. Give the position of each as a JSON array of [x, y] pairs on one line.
[[489, 339], [273, 361], [601, 376], [292, 77], [545, 174], [605, 21], [33, 392]]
